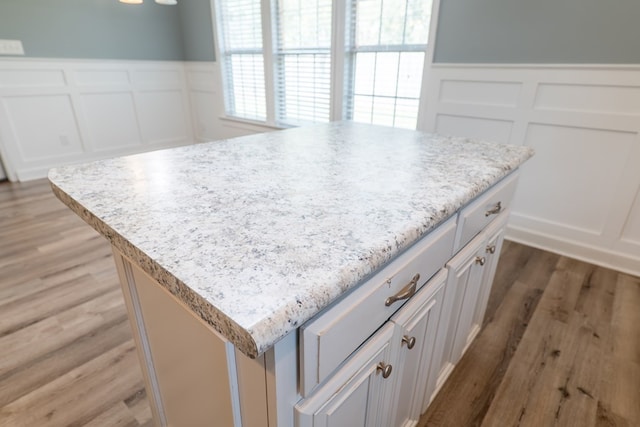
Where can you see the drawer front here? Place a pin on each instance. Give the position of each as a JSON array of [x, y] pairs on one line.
[[328, 340], [482, 211]]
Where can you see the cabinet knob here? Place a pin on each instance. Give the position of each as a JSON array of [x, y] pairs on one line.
[[480, 260], [385, 369], [409, 341], [496, 209], [491, 249], [406, 292]]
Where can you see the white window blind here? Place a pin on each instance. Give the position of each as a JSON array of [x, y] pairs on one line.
[[290, 62], [242, 59], [303, 60], [386, 55]]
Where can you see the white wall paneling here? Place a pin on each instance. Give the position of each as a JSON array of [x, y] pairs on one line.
[[161, 116], [631, 230], [205, 92], [120, 129], [54, 112], [207, 104], [496, 130], [44, 125], [580, 194]]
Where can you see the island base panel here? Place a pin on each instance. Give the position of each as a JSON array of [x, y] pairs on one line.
[[192, 374]]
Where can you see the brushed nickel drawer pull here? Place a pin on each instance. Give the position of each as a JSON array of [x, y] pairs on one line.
[[480, 260], [385, 369], [491, 249], [409, 341], [407, 292], [496, 209]]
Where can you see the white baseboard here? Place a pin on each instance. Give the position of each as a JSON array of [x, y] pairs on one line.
[[574, 249]]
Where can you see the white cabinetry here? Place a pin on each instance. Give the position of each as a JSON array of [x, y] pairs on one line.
[[376, 357], [385, 382], [330, 338], [466, 275], [492, 253], [358, 394], [431, 331], [471, 274], [415, 338]]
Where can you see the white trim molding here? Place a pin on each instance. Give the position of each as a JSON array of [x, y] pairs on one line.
[[57, 111], [60, 111], [580, 195]]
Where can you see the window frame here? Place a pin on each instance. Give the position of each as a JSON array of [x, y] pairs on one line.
[[340, 76]]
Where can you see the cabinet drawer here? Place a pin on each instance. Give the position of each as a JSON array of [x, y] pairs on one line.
[[329, 339], [479, 213]]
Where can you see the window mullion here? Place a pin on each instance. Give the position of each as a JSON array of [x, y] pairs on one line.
[[268, 48], [339, 68], [426, 70], [223, 59]]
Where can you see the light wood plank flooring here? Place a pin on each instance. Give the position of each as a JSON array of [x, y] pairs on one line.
[[560, 345], [67, 356]]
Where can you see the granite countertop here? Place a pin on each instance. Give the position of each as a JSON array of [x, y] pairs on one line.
[[258, 234]]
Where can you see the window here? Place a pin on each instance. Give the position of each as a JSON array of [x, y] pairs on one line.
[[303, 60], [242, 59], [299, 61], [389, 40]]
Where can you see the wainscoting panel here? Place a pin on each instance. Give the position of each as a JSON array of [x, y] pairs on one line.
[[579, 195], [45, 125], [504, 94], [150, 78], [598, 99], [204, 107], [631, 231], [54, 112], [111, 120], [588, 162], [29, 78], [162, 116], [205, 96], [495, 130], [97, 78]]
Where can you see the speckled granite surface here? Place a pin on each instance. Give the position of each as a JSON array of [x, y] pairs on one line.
[[257, 234]]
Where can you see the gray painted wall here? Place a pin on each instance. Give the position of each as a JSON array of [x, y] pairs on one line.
[[197, 30], [538, 31], [100, 29]]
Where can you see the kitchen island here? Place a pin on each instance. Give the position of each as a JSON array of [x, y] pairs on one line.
[[249, 267]]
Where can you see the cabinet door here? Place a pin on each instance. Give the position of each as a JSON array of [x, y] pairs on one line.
[[471, 274], [491, 254], [358, 394], [415, 336], [465, 275]]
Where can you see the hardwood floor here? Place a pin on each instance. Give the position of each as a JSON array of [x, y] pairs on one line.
[[66, 352], [560, 345]]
